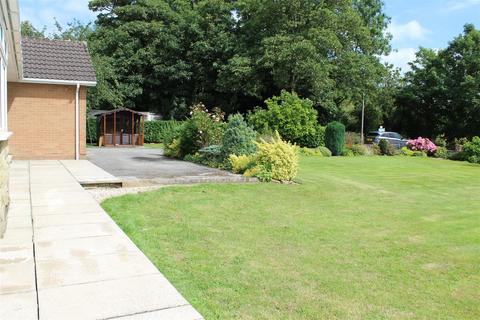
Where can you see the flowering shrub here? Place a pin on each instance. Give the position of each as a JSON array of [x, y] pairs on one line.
[[422, 144]]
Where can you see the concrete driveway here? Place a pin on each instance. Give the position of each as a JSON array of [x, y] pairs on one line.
[[150, 165]]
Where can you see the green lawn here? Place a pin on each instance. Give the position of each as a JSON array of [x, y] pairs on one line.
[[359, 238], [154, 145]]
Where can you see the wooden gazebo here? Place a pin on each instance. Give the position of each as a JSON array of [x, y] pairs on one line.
[[120, 127]]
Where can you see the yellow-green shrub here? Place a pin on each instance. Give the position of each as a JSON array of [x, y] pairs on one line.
[[242, 163], [278, 157]]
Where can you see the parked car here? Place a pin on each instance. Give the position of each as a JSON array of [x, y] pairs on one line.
[[393, 138]]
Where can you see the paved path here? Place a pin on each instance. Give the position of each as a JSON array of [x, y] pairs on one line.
[[74, 262], [143, 166]]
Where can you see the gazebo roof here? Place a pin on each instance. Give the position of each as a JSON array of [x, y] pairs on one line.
[[97, 113]]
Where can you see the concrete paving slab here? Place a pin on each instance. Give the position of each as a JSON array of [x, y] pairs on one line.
[[85, 172], [177, 313], [42, 221], [62, 272], [66, 208], [85, 266], [17, 275], [17, 237], [108, 299], [52, 199], [19, 306], [75, 231], [19, 221], [83, 247]]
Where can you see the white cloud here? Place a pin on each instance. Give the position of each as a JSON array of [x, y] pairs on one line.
[[411, 30], [455, 5], [42, 12], [401, 57]]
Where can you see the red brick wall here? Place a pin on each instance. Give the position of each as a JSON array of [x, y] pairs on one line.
[[42, 119]]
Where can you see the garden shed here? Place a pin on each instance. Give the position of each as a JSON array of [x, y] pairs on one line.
[[120, 127]]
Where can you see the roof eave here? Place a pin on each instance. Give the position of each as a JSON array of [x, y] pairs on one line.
[[60, 82]]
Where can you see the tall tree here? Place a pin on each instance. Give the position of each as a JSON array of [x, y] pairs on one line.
[[167, 54], [441, 92], [29, 31]]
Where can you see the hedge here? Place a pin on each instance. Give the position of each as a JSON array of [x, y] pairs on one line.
[[154, 130], [92, 130]]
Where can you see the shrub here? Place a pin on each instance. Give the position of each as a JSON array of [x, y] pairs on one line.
[[201, 130], [242, 163], [442, 153], [155, 130], [376, 150], [320, 152], [471, 150], [359, 150], [92, 130], [405, 151], [294, 118], [325, 151], [335, 137], [278, 158], [238, 138], [212, 153], [386, 148], [314, 140], [422, 144], [347, 152], [352, 138], [440, 141], [459, 143]]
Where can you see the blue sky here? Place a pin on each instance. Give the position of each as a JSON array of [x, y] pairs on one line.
[[415, 23]]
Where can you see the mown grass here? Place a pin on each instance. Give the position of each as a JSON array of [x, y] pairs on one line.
[[359, 238]]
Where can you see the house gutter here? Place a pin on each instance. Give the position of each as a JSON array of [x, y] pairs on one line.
[[77, 123], [59, 82]]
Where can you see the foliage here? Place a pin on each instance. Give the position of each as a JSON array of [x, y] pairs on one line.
[[315, 140], [238, 138], [29, 31], [422, 144], [92, 130], [320, 151], [352, 138], [459, 143], [376, 150], [335, 137], [440, 141], [241, 163], [471, 150], [442, 153], [166, 55], [156, 130], [294, 118], [405, 151], [440, 95], [386, 148], [279, 158], [201, 130], [359, 150]]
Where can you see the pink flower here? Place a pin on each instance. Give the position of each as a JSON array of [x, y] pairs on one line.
[[422, 144]]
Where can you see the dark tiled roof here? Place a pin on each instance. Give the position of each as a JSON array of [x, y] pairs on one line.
[[56, 60]]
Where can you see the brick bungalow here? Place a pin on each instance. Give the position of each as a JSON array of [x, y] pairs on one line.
[[42, 105], [43, 89]]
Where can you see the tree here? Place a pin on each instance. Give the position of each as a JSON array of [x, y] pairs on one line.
[[441, 93], [29, 31], [166, 55]]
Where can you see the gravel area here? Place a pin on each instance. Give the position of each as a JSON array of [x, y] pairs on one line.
[[101, 194]]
